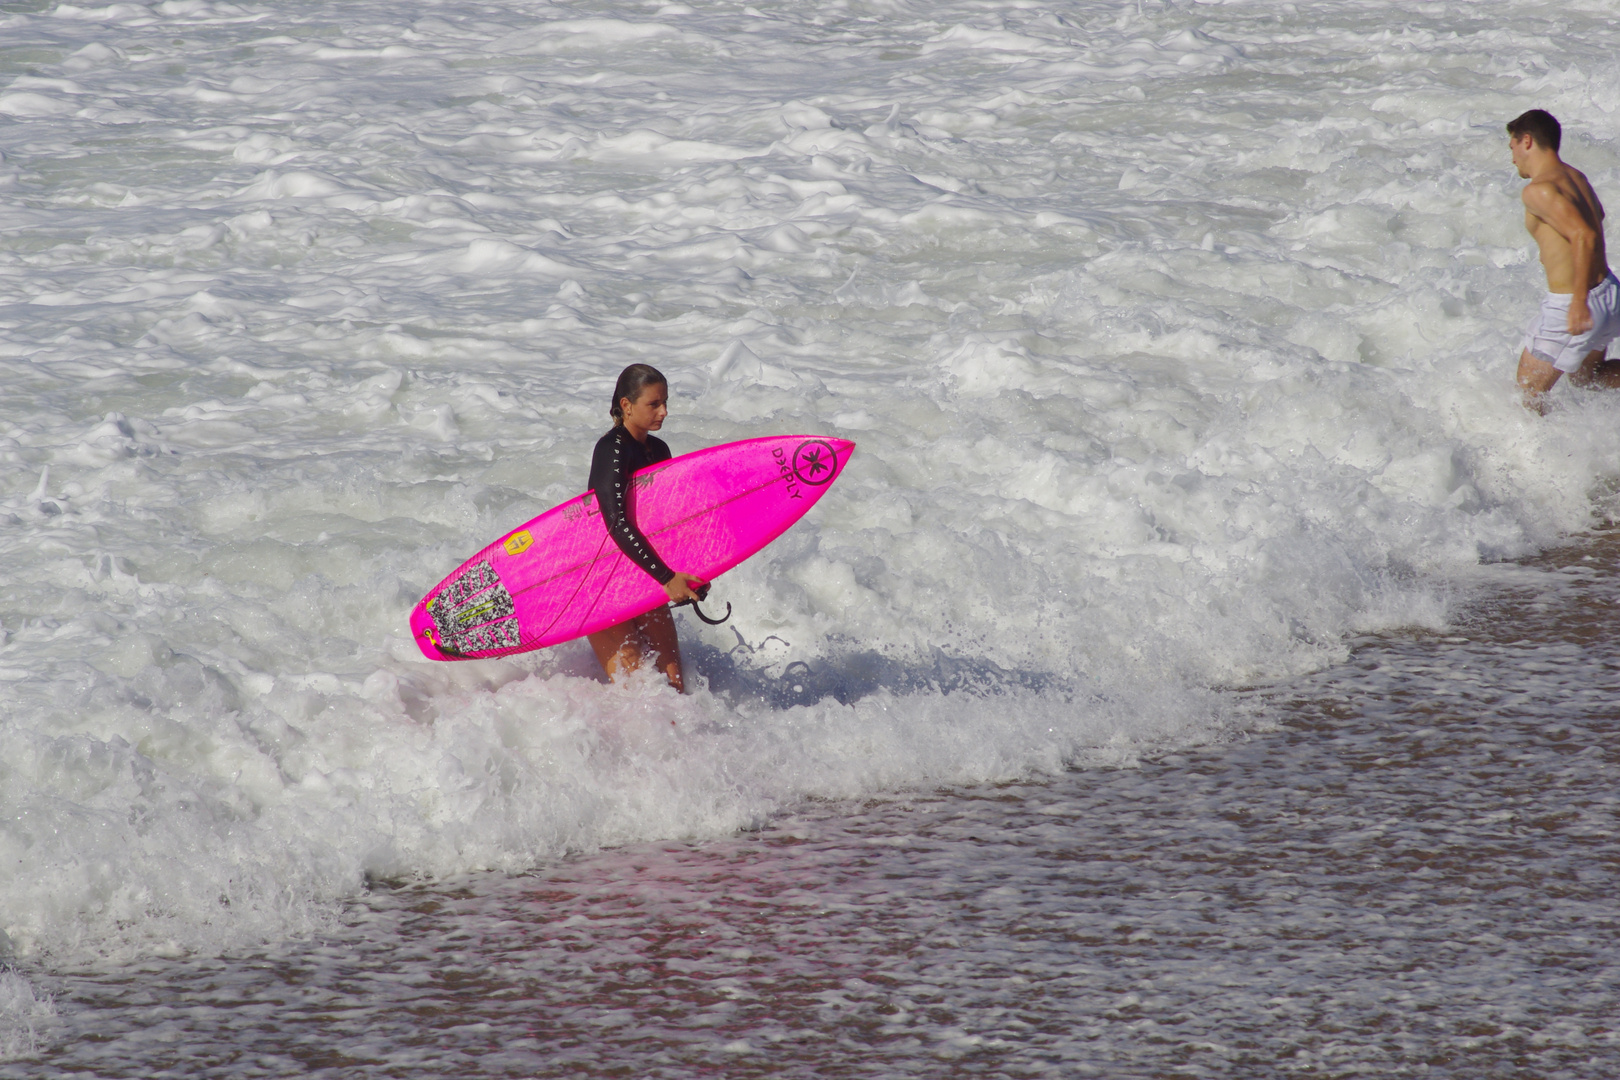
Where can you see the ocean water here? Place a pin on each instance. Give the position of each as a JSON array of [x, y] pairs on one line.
[[1181, 678]]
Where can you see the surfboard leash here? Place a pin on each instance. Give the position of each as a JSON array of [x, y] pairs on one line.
[[703, 594]]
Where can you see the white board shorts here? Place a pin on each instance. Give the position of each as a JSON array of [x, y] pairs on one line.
[[1548, 337]]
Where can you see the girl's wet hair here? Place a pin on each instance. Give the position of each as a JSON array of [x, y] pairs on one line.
[[632, 381]]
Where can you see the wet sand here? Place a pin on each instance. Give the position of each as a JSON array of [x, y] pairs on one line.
[[1407, 868]]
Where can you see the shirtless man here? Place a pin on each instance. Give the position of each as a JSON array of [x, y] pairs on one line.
[[1581, 312]]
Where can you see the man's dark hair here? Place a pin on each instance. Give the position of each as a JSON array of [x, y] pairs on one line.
[[632, 381], [1541, 126]]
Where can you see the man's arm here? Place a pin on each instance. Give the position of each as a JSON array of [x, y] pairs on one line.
[[1548, 204]]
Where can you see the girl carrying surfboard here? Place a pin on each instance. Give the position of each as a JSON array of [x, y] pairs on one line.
[[640, 403], [587, 567]]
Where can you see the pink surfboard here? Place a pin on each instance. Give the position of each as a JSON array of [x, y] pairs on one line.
[[561, 576]]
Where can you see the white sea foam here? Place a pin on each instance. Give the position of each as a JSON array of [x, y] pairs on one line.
[[24, 1015], [1177, 339]]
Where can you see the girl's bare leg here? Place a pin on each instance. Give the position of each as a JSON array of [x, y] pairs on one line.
[[618, 648], [657, 629], [624, 647]]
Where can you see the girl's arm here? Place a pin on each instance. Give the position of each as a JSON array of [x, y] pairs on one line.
[[610, 472]]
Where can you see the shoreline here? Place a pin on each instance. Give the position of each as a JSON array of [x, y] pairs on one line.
[[1414, 868]]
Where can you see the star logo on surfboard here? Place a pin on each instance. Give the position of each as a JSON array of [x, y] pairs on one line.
[[815, 463]]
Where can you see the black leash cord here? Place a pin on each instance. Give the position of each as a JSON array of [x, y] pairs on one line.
[[703, 594], [699, 612]]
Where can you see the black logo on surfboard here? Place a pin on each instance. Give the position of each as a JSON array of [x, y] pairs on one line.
[[815, 463]]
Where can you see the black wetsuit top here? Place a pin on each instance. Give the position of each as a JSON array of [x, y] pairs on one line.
[[617, 455]]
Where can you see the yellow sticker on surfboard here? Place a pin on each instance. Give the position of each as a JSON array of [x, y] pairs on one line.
[[518, 542]]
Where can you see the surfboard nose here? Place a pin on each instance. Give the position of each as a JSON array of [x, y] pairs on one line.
[[813, 461]]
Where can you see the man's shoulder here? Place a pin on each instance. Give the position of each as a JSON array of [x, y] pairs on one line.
[[659, 449], [1542, 190], [1586, 188], [1561, 192]]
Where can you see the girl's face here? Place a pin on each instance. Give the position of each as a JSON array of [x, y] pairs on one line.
[[648, 411]]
